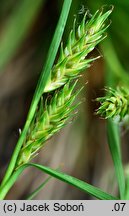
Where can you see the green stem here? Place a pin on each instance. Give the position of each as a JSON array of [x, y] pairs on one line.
[[41, 84], [37, 190], [9, 183], [17, 149], [114, 145]]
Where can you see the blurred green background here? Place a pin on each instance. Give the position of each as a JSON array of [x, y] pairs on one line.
[[26, 29]]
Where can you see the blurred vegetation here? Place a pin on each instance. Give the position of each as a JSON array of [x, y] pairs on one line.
[[26, 29]]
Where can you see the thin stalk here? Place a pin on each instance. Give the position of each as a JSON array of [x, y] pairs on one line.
[[114, 145], [115, 71], [41, 84], [37, 190]]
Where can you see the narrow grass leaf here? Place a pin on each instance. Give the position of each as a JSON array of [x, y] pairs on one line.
[[114, 145], [41, 84], [87, 188], [38, 189]]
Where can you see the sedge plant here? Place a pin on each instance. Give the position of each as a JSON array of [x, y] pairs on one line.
[[47, 115], [72, 61]]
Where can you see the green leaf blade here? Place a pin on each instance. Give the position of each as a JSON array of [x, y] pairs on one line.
[[87, 188], [41, 84], [114, 145]]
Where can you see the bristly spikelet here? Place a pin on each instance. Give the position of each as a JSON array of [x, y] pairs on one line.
[[115, 105], [49, 119], [53, 113], [81, 42]]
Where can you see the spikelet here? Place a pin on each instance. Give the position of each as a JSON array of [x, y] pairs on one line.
[[54, 113], [115, 105], [49, 119], [81, 41]]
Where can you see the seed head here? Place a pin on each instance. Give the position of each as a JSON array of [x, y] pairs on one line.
[[53, 113], [115, 104], [49, 119], [81, 41]]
